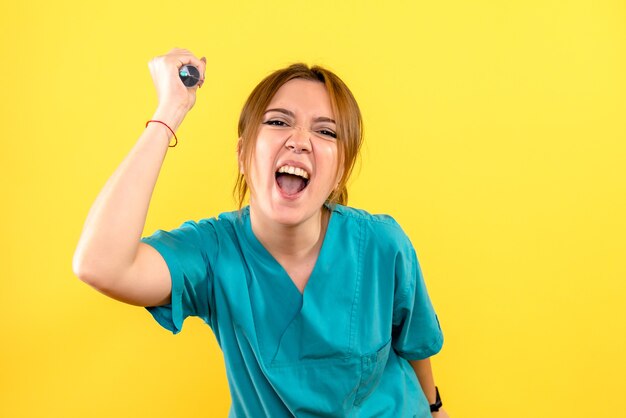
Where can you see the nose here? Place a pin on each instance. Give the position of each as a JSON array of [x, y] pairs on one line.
[[299, 141]]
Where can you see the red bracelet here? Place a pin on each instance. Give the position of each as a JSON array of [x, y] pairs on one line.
[[163, 123]]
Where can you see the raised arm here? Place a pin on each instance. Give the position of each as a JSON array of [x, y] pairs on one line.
[[109, 255]]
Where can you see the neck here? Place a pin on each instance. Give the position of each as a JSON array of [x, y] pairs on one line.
[[291, 242]]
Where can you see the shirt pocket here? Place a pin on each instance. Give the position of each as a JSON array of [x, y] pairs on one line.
[[372, 368]]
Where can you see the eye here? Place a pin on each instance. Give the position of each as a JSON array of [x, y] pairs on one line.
[[327, 132], [275, 122]]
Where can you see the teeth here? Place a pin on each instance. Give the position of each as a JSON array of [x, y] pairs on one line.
[[294, 170]]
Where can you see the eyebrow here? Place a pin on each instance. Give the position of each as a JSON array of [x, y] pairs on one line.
[[293, 115]]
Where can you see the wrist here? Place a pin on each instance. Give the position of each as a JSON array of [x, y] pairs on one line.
[[435, 406], [171, 115]]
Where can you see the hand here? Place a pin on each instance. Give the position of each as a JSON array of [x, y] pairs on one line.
[[171, 92], [440, 414]]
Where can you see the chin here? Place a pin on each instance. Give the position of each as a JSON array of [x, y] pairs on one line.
[[288, 212]]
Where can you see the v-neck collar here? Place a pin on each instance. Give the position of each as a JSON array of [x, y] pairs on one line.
[[265, 256]]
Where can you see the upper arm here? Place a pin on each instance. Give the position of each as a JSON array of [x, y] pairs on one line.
[[189, 253], [147, 282], [171, 274], [416, 331]]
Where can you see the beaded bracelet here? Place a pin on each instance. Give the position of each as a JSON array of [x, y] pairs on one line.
[[165, 124]]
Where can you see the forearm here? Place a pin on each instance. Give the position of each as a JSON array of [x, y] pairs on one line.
[[113, 228], [423, 371]]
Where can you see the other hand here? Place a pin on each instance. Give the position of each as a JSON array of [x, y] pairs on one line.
[[440, 414]]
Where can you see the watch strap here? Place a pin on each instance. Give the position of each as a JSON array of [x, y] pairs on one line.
[[434, 407]]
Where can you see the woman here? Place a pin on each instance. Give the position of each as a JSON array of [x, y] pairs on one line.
[[320, 309]]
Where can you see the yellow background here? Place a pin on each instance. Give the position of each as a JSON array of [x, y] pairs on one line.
[[495, 134]]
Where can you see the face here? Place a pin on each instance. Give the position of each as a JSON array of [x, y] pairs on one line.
[[294, 165]]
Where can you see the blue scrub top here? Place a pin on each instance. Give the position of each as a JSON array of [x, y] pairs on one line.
[[340, 348]]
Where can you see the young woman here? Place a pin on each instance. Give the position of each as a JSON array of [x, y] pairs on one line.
[[320, 309]]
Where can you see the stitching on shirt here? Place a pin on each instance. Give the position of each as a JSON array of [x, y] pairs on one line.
[[426, 352], [410, 288], [217, 242], [212, 267], [357, 293], [325, 362], [363, 215]]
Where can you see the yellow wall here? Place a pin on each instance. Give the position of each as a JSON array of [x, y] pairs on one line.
[[495, 135]]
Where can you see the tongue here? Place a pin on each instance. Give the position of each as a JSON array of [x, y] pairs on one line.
[[290, 184]]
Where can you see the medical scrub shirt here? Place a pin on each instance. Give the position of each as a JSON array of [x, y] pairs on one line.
[[339, 349]]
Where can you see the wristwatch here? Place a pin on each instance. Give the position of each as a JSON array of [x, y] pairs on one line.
[[434, 407]]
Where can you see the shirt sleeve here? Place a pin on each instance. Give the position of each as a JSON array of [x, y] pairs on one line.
[[416, 333], [189, 252]]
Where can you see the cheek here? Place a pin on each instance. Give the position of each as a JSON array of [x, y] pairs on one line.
[[262, 162], [328, 152], [328, 161]]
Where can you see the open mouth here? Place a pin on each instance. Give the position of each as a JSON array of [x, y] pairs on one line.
[[291, 180]]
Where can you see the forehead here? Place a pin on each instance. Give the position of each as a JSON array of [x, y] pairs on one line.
[[305, 97]]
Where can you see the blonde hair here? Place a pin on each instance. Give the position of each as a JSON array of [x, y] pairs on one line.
[[345, 108]]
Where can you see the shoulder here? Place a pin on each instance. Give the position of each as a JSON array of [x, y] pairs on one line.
[[363, 215], [205, 229], [218, 227], [380, 228]]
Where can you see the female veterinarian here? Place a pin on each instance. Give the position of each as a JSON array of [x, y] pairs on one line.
[[320, 309]]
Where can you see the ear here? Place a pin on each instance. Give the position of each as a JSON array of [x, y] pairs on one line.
[[239, 156]]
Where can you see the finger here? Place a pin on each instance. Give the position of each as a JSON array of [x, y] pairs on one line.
[[179, 51], [174, 54], [178, 58], [184, 57], [202, 70], [192, 60]]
